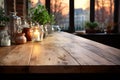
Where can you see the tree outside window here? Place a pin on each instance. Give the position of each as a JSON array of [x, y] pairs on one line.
[[104, 13]]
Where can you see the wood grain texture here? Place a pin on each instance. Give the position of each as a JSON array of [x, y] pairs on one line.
[[107, 52], [60, 49], [20, 55]]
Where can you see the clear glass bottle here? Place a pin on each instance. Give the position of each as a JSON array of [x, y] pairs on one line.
[[42, 32], [50, 29], [45, 27], [14, 25]]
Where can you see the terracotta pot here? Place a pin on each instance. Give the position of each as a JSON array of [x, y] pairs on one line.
[[90, 31], [20, 38], [28, 34]]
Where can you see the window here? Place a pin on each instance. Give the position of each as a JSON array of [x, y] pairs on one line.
[[104, 12], [33, 3], [81, 13], [42, 2], [60, 10]]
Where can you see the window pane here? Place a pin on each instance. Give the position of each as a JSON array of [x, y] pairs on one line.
[[104, 11], [60, 10], [42, 2], [33, 3], [81, 13]]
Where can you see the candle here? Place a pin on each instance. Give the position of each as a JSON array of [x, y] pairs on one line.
[[36, 35]]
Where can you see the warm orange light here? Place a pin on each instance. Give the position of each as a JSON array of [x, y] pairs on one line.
[[77, 4], [107, 4], [36, 35], [34, 2], [82, 4]]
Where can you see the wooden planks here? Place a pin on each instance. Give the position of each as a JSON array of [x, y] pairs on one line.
[[48, 54], [20, 55], [60, 48], [81, 54], [92, 48]]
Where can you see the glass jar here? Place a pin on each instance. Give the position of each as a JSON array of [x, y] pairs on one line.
[[42, 32], [45, 27], [5, 41], [37, 33], [14, 25], [3, 34], [50, 29], [28, 33]]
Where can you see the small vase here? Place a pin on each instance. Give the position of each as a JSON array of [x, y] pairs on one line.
[[28, 33], [45, 28], [50, 29], [20, 38]]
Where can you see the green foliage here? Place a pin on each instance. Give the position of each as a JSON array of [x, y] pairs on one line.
[[52, 19], [40, 14], [3, 18], [91, 25]]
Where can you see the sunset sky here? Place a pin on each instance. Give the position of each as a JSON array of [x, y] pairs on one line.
[[81, 3], [77, 4]]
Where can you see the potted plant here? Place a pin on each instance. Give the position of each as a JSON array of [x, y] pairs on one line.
[[40, 15], [91, 27], [3, 19]]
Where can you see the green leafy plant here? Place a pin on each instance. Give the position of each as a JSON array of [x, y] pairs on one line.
[[3, 18], [40, 15], [52, 19], [91, 25]]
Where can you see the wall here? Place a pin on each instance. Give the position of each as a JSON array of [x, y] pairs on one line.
[[21, 7], [119, 17]]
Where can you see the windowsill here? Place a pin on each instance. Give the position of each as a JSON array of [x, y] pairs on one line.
[[84, 33], [111, 39]]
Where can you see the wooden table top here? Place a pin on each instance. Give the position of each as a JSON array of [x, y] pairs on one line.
[[60, 48]]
